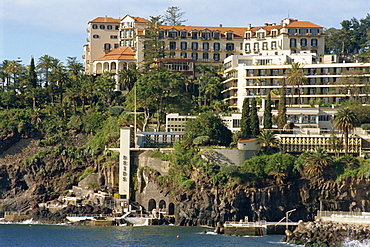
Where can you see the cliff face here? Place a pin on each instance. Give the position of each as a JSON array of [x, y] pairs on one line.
[[207, 205]]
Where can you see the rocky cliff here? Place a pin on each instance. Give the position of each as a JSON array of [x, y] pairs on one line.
[[205, 204]]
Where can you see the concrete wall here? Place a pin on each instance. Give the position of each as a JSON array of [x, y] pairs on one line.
[[148, 189], [228, 156]]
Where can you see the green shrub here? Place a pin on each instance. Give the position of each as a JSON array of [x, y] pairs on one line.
[[188, 184], [365, 126]]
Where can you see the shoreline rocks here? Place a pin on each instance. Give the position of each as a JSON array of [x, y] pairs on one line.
[[326, 233]]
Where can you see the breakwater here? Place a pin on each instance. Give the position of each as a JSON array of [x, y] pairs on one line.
[[320, 233]]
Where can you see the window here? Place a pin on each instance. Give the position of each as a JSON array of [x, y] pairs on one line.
[[183, 34], [205, 56], [236, 123], [314, 31], [161, 34], [205, 46], [109, 27], [273, 45], [172, 35], [292, 31], [194, 35], [273, 33], [107, 47], [206, 36], [216, 56], [275, 72], [116, 46], [264, 46], [229, 36], [102, 27], [229, 46], [94, 26], [293, 43], [113, 37], [183, 54], [117, 27], [194, 56], [184, 45], [303, 31], [216, 35], [172, 45], [314, 43], [194, 46], [216, 46], [247, 47], [260, 35], [256, 47], [248, 35], [95, 36], [172, 54], [303, 43]]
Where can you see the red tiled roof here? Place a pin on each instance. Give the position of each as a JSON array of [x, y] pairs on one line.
[[247, 140], [121, 53], [105, 19]]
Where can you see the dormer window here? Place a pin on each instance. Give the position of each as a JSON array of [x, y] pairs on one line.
[[261, 35], [248, 35], [229, 36], [274, 33], [194, 35], [206, 35], [216, 35], [183, 34], [172, 35]]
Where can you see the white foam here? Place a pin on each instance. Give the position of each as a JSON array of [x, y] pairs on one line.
[[356, 243]]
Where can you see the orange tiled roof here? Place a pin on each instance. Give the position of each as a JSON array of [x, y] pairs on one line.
[[121, 53], [247, 140], [238, 31], [105, 19], [139, 19], [303, 24]]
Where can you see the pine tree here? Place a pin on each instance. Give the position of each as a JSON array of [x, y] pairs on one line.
[[267, 115], [245, 122], [32, 76], [254, 119], [282, 108], [153, 46]]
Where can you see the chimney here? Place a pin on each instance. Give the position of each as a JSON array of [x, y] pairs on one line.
[[105, 18], [220, 25], [249, 26]]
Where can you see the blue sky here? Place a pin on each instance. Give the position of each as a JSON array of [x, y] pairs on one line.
[[58, 27]]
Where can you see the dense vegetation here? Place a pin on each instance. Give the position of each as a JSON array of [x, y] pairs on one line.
[[57, 102]]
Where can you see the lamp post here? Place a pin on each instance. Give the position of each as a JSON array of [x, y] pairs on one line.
[[287, 216]]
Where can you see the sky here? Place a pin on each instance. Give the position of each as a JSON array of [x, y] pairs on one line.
[[33, 28]]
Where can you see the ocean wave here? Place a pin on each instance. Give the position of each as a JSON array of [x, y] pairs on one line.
[[27, 222], [356, 243]]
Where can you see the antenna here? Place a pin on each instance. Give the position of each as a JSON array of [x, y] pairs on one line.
[[288, 14]]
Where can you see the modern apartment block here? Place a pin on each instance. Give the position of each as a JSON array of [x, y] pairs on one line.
[[252, 76]]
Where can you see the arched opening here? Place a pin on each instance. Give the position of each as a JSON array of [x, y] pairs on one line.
[[106, 67], [122, 65], [99, 68], [113, 66], [171, 209], [151, 205], [162, 205]]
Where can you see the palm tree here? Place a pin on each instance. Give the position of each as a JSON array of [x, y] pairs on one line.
[[345, 120], [294, 78], [317, 163], [267, 140], [127, 77], [45, 63]]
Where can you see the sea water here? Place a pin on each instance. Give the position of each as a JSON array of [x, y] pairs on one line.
[[66, 235], [31, 234]]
